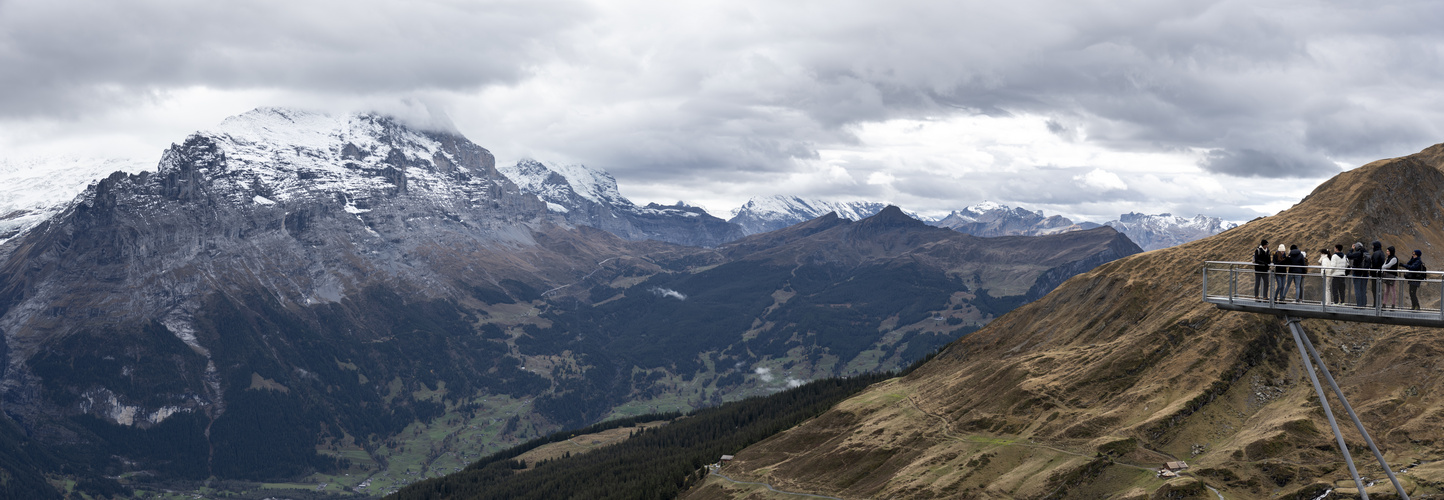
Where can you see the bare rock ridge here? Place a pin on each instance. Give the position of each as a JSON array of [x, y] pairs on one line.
[[1086, 391]]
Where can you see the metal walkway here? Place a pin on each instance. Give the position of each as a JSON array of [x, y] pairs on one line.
[[1230, 285], [1312, 296]]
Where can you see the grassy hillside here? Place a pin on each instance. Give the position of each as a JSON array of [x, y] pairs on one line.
[[1077, 394]]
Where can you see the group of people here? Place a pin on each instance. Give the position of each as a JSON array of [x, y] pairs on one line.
[[1359, 266]]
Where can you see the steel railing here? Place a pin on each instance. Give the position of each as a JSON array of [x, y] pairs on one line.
[[1385, 299]]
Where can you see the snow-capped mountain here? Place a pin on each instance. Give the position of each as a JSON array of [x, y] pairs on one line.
[[588, 196], [1153, 232], [33, 190], [992, 219], [770, 213]]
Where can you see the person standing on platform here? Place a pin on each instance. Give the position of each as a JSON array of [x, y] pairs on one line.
[[1298, 265], [1281, 272], [1390, 275], [1416, 273], [1330, 263], [1337, 263], [1358, 262], [1376, 263], [1261, 266]]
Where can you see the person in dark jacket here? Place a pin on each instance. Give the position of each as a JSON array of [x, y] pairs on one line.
[[1376, 262], [1298, 265], [1281, 263], [1358, 265], [1261, 270], [1415, 274]]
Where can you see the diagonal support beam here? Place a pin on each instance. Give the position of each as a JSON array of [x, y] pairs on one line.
[[1298, 331], [1302, 338]]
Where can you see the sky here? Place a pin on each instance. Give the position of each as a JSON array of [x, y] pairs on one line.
[[1085, 108]]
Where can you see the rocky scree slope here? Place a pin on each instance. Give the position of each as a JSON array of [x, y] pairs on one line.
[[1082, 393], [586, 196]]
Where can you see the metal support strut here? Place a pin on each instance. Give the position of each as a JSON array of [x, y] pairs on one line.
[[1307, 351]]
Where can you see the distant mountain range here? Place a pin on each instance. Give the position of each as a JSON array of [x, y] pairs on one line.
[[588, 196], [345, 299]]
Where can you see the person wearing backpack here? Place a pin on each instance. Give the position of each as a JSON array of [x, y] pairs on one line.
[[1261, 270], [1358, 262], [1298, 265], [1416, 273], [1281, 263]]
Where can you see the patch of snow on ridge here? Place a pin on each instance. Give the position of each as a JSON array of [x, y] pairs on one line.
[[33, 190]]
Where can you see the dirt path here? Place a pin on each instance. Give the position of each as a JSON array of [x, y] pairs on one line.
[[770, 488]]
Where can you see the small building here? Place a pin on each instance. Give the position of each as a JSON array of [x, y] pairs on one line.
[[1176, 466], [726, 458]]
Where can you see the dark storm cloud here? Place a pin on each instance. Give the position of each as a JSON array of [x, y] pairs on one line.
[[1295, 86], [76, 56]]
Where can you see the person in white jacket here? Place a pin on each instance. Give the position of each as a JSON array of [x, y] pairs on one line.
[[1336, 274], [1333, 265]]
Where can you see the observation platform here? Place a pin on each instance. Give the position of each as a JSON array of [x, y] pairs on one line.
[[1230, 286]]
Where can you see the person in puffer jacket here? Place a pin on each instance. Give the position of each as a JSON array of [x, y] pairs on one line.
[[1416, 268], [1261, 267], [1358, 269], [1299, 264], [1336, 273]]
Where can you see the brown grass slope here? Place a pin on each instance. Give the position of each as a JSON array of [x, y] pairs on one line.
[[1126, 360]]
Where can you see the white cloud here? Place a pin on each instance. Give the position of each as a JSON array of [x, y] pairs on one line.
[[763, 373], [1101, 180], [667, 292]]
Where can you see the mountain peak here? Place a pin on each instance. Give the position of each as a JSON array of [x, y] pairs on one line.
[[769, 213], [890, 217]]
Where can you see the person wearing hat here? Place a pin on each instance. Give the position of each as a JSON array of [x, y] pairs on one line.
[[1416, 273], [1261, 270]]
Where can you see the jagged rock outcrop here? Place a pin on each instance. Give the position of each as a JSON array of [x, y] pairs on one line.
[[587, 196]]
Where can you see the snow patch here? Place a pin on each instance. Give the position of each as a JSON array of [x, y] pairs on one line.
[[262, 200]]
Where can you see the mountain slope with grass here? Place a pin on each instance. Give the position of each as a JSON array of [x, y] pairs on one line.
[[1085, 392]]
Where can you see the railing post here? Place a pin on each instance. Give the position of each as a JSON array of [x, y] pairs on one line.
[[1232, 282]]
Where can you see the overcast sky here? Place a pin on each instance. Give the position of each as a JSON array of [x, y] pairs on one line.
[[1080, 107]]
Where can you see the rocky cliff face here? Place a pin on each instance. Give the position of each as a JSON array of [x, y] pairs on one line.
[[1085, 392], [264, 267], [586, 196]]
